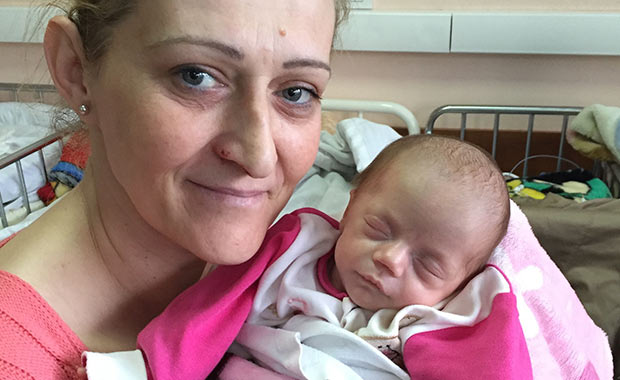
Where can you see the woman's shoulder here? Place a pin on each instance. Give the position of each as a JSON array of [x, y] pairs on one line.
[[46, 243], [35, 342]]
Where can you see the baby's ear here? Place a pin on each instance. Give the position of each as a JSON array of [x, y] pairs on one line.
[[346, 210]]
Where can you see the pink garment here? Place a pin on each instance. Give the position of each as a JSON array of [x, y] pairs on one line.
[[476, 334], [34, 342], [322, 274], [191, 336], [6, 240], [537, 320], [492, 349]]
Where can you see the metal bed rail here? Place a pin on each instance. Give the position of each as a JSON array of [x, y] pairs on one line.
[[14, 92], [361, 106], [498, 111], [15, 159], [39, 93]]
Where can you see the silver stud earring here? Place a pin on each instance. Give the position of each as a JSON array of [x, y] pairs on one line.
[[83, 109]]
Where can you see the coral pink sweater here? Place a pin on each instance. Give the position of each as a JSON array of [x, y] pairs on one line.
[[34, 342]]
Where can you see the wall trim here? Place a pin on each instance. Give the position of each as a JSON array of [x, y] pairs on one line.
[[423, 32]]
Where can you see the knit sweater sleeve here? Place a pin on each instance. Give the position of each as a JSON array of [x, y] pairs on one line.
[[35, 343]]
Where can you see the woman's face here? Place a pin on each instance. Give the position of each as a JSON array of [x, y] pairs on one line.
[[205, 114]]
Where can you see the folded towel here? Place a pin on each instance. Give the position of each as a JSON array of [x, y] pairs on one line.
[[355, 144], [588, 147], [601, 125]]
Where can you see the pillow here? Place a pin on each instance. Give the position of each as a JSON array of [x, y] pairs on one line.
[[22, 124]]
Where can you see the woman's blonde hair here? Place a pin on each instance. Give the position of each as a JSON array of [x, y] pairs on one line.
[[95, 20]]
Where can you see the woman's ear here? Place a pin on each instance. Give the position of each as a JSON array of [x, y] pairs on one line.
[[65, 60]]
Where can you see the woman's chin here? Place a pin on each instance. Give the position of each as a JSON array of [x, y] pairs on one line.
[[229, 250]]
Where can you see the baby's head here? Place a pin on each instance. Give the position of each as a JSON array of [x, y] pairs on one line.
[[423, 220]]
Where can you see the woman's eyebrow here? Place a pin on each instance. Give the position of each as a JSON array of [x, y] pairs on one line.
[[228, 50], [306, 62]]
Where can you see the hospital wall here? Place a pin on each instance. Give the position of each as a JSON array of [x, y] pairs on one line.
[[423, 81]]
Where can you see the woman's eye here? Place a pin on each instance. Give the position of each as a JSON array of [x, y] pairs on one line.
[[196, 78], [298, 95]]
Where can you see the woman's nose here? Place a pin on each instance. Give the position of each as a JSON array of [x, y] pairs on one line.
[[248, 140], [392, 257]]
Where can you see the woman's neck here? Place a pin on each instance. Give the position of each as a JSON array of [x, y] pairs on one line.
[[142, 269], [99, 267]]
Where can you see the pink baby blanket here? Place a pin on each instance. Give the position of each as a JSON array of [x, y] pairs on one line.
[[563, 341]]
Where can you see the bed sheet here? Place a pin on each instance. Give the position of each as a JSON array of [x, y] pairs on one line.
[[11, 230], [22, 124]]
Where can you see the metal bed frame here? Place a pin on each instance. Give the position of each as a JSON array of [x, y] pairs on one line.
[[15, 159], [361, 106], [608, 172], [37, 94]]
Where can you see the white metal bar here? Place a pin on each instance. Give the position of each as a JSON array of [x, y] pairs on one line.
[[374, 106], [3, 219]]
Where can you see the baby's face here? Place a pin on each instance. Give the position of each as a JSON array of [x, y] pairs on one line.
[[407, 241]]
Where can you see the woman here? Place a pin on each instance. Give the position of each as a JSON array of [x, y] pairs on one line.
[[202, 116]]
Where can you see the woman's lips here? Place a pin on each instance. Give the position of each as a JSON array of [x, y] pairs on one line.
[[236, 192], [231, 195]]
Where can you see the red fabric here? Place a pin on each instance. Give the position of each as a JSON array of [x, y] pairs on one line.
[[4, 241], [193, 333], [46, 194], [76, 150], [322, 273], [495, 348], [34, 342]]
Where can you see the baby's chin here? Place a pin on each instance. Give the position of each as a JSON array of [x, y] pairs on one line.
[[374, 304], [371, 303]]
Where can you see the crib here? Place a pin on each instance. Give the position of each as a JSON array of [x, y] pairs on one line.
[[26, 167], [581, 262], [609, 172]]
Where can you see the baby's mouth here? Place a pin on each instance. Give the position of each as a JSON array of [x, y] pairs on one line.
[[373, 281]]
